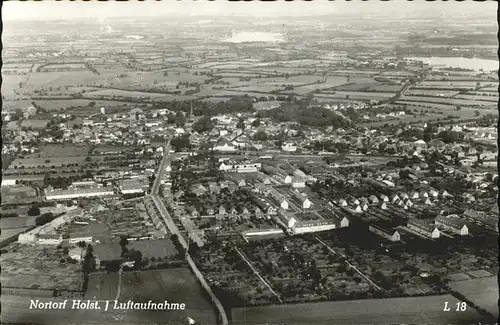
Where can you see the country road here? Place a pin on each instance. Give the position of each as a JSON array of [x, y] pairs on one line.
[[174, 230]]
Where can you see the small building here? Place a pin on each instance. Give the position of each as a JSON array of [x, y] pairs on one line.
[[77, 254]]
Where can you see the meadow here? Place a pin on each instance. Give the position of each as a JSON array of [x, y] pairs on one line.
[[418, 310], [483, 292]]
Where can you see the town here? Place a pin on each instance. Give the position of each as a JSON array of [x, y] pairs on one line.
[[251, 180]]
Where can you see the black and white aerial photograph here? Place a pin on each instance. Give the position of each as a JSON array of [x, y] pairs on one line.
[[249, 163]]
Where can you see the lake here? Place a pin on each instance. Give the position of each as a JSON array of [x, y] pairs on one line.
[[458, 62]]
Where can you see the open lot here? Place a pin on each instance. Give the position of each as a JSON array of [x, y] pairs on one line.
[[102, 286], [173, 285], [416, 310], [483, 292]]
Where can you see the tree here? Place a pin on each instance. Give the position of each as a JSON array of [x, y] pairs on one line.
[[256, 123], [65, 250], [34, 211], [204, 124], [477, 113], [260, 136], [241, 124], [92, 104], [182, 142]]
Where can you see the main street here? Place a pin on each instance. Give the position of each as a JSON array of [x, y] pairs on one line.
[[174, 230]]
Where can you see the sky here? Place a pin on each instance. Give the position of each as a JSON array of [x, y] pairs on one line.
[[54, 10]]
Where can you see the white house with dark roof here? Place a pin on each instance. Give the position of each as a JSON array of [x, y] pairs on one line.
[[387, 233], [453, 223]]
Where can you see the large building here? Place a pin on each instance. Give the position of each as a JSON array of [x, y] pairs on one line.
[[78, 192], [310, 222], [387, 233], [133, 186], [424, 228], [453, 223]]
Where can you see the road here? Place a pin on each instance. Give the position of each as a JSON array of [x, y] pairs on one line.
[[350, 265], [174, 230], [161, 169], [258, 274], [119, 286]]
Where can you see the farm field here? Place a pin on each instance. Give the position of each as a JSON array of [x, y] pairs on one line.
[[474, 98], [429, 92], [358, 94], [58, 104], [126, 94], [61, 150], [449, 101], [458, 84], [65, 78], [103, 286], [173, 285], [260, 88], [418, 310], [55, 161], [302, 90], [483, 292]]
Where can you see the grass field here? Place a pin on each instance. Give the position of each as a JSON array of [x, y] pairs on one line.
[[173, 285], [483, 292], [449, 101], [358, 94], [61, 150], [102, 286], [418, 310]]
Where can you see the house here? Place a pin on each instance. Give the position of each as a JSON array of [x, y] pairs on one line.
[[258, 213], [302, 200], [222, 210], [284, 204], [453, 223], [385, 232], [198, 190], [213, 188], [46, 239], [298, 182], [423, 228], [342, 203], [77, 254], [445, 194], [383, 206], [373, 199], [289, 147], [75, 240], [414, 195], [395, 198], [384, 198]]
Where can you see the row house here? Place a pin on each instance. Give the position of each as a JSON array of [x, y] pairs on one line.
[[387, 233], [453, 223], [424, 228]]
